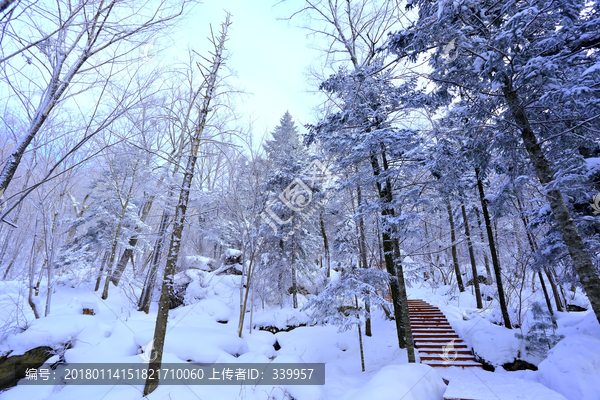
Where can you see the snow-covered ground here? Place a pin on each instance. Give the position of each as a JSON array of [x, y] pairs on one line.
[[206, 331]]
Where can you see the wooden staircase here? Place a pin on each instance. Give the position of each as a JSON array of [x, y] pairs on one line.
[[436, 341]]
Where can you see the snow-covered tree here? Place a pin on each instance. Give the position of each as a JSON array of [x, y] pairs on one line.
[[531, 68], [292, 241]]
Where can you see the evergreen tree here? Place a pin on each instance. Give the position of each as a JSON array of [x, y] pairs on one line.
[[541, 336], [531, 71], [292, 241]]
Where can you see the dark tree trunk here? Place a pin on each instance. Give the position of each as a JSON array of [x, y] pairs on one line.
[[485, 257], [472, 257], [388, 254], [362, 245], [461, 286], [582, 262], [392, 257], [533, 246], [555, 292], [325, 245], [294, 280], [495, 261]]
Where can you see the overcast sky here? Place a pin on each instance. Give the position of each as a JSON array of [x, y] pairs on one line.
[[269, 56]]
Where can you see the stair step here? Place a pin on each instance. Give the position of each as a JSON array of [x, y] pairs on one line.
[[430, 315], [455, 365], [449, 360], [441, 351], [448, 338], [435, 339], [426, 321], [439, 342], [431, 326], [440, 347]]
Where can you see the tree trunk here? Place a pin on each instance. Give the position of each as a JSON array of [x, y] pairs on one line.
[[128, 252], [78, 214], [461, 286], [363, 256], [582, 262], [555, 292], [32, 304], [392, 253], [146, 296], [533, 246], [111, 258], [485, 257], [17, 214], [360, 342], [388, 254], [243, 310], [294, 282], [472, 257], [180, 211], [102, 264], [495, 261], [410, 344], [325, 244]]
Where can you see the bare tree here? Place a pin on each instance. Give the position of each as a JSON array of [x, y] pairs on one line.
[[92, 36], [204, 108]]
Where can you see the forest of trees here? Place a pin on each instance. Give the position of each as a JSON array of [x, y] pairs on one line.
[[450, 134]]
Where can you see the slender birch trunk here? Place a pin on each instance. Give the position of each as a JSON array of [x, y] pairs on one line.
[[146, 296], [180, 211]]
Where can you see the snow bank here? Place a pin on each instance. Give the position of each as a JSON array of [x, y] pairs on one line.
[[301, 392], [201, 345], [477, 384], [319, 344], [52, 331], [215, 308], [200, 262], [280, 318], [232, 253], [573, 367], [406, 382]]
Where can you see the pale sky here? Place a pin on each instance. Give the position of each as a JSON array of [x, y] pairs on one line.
[[268, 55]]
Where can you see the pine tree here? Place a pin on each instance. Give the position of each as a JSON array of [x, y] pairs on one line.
[[293, 239], [541, 336]]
